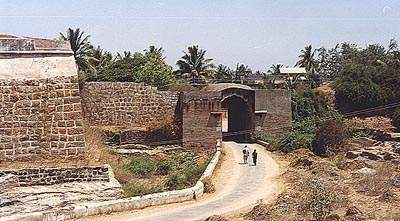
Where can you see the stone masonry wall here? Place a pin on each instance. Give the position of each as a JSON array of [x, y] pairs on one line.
[[126, 104], [278, 116], [201, 127], [40, 119], [50, 176]]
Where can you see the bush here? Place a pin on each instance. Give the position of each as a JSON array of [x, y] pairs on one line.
[[360, 133], [141, 166], [296, 140], [355, 88], [192, 172], [164, 167], [261, 135], [319, 199], [175, 181], [330, 137], [396, 119], [307, 104], [134, 189]]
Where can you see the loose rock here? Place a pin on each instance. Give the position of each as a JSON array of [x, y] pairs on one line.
[[365, 170]]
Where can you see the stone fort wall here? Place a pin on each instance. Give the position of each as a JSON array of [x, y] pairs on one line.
[[126, 104], [40, 119], [50, 176], [277, 118], [40, 108]]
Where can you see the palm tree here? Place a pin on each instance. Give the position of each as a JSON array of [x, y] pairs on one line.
[[307, 59], [124, 55], [224, 74], [155, 52], [275, 69], [241, 72], [102, 58], [81, 47], [194, 66]]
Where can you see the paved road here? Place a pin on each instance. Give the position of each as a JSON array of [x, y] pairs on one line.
[[238, 186]]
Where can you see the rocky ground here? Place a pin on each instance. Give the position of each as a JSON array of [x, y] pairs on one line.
[[364, 187], [362, 182], [59, 197]]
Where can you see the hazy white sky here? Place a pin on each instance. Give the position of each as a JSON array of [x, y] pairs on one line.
[[255, 32]]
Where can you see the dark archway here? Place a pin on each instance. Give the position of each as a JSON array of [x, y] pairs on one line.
[[239, 119]]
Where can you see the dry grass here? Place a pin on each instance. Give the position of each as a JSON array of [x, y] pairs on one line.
[[98, 153], [208, 186], [374, 196], [379, 183], [375, 123]]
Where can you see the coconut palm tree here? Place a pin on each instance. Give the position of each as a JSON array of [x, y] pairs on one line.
[[155, 52], [194, 66], [224, 73], [274, 69], [241, 72], [124, 55], [102, 58], [81, 47], [307, 59]]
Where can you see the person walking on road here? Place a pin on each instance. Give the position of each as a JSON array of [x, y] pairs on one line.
[[254, 155], [246, 153]]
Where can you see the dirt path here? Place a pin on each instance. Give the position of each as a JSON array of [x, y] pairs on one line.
[[239, 186]]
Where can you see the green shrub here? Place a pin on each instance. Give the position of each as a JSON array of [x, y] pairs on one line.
[[296, 140], [141, 166], [261, 135], [192, 172], [175, 181], [356, 89], [135, 189], [319, 198], [396, 119], [360, 133], [330, 136], [164, 167], [308, 104]]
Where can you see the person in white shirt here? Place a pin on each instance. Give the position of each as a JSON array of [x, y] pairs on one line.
[[246, 153]]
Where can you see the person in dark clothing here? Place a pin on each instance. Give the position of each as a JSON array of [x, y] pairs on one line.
[[254, 155]]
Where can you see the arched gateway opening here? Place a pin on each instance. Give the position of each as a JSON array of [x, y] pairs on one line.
[[238, 125]]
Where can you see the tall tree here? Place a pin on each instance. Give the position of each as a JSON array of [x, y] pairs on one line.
[[124, 55], [81, 47], [102, 58], [241, 72], [274, 69], [307, 60], [194, 66], [224, 74], [155, 52]]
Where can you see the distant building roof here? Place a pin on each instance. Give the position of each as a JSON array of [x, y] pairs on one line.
[[223, 86], [292, 70]]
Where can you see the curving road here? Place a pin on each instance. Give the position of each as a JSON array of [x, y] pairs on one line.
[[238, 186]]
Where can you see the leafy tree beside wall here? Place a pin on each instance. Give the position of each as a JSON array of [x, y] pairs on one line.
[[156, 73], [97, 64]]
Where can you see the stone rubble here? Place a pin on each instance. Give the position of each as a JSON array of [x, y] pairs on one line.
[[377, 151]]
